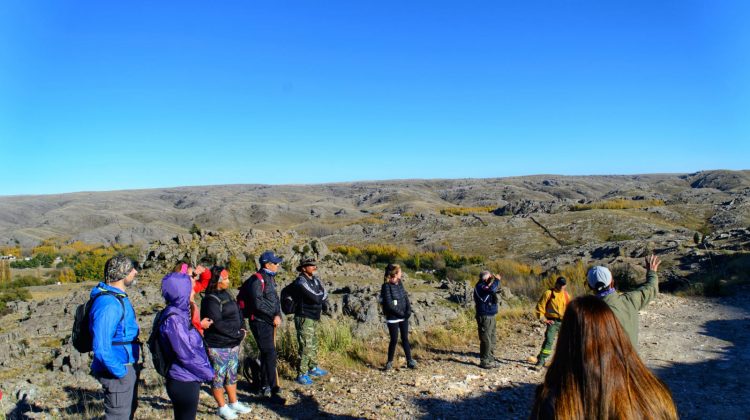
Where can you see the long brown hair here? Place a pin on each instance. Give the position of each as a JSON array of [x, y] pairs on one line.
[[390, 272], [597, 374]]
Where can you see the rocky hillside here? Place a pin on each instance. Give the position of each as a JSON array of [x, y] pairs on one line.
[[509, 216]]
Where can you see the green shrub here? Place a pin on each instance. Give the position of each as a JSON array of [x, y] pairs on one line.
[[25, 281], [9, 295]]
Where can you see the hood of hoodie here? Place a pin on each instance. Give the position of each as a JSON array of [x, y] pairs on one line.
[[176, 288]]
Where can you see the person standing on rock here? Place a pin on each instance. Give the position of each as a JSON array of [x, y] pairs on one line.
[[189, 363], [311, 297], [626, 305], [115, 330], [596, 372], [260, 303], [397, 310], [223, 339], [485, 299], [550, 310]]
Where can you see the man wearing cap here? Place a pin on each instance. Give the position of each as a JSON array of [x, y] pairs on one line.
[[626, 305], [311, 297], [485, 298], [264, 312], [114, 329], [550, 310]]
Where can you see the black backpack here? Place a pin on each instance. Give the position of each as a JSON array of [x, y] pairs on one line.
[[250, 369], [288, 298], [160, 355], [81, 336]]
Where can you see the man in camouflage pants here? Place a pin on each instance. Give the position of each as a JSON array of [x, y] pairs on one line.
[[310, 297]]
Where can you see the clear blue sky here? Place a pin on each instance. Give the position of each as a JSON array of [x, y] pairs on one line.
[[101, 95]]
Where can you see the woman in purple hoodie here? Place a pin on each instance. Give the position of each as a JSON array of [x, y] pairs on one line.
[[190, 364]]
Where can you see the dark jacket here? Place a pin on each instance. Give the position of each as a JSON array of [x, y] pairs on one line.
[[177, 333], [106, 328], [310, 297], [395, 301], [262, 297], [222, 309], [485, 297]]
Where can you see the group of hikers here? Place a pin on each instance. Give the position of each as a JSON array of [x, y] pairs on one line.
[[595, 373]]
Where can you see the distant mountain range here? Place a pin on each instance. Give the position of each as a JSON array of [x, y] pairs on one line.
[[500, 216]]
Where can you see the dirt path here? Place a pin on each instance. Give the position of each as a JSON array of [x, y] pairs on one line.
[[697, 346]]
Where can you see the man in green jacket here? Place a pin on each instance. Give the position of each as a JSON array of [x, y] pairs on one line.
[[626, 305]]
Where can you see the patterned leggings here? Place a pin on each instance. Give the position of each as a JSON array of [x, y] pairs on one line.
[[225, 363]]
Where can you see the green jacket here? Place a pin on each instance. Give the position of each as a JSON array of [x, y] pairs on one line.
[[626, 305]]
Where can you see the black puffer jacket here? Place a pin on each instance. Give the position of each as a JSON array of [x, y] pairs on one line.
[[220, 307], [259, 299], [310, 297], [395, 301]]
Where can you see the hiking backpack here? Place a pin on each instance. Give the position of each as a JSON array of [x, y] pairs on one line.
[[81, 336], [250, 369], [288, 298], [160, 355], [245, 300]]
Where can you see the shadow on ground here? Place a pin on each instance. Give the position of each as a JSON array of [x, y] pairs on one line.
[[717, 388], [305, 406], [507, 402]]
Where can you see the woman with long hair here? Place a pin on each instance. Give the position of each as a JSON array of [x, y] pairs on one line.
[[397, 310], [597, 374], [223, 339]]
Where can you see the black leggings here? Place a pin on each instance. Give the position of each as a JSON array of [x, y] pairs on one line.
[[184, 396], [393, 329]]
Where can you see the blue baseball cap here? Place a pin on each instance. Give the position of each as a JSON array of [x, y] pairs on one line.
[[269, 257]]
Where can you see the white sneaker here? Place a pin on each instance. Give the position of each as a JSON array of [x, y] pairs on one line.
[[226, 413], [240, 408]]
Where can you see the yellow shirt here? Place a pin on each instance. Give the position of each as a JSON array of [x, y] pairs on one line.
[[552, 304]]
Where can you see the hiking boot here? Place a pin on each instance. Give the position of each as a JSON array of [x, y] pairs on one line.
[[226, 413], [239, 408], [411, 364], [266, 391], [317, 372], [388, 366], [304, 379], [489, 365]]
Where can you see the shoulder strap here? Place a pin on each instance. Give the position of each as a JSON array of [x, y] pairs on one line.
[[221, 302], [120, 298], [262, 281]]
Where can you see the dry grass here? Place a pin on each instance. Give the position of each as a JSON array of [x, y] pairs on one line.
[[618, 204], [465, 211]]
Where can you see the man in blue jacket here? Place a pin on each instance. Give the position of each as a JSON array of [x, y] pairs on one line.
[[115, 339], [485, 298]]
